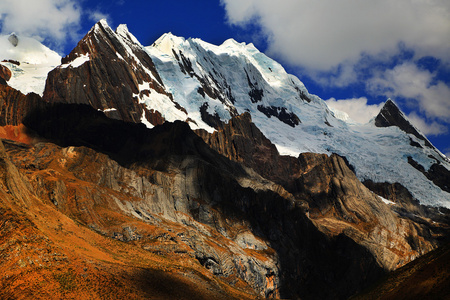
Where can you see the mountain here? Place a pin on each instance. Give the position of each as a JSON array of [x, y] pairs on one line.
[[187, 170], [206, 85]]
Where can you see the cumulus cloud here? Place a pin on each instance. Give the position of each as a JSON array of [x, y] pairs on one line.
[[419, 87], [347, 42], [320, 35], [356, 108], [55, 20]]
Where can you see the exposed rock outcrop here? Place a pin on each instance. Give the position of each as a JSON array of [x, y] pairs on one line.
[[14, 105], [158, 175], [390, 115], [336, 201], [11, 181], [109, 77], [5, 74], [428, 277], [170, 194], [47, 253], [169, 174], [437, 173]]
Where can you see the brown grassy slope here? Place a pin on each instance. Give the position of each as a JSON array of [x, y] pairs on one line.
[[46, 254], [428, 277]]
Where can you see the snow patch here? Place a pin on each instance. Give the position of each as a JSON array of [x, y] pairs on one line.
[[29, 51], [119, 56], [386, 201], [77, 61], [167, 42], [145, 121], [108, 109], [160, 103]]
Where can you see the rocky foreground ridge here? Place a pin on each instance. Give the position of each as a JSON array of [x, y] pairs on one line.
[[94, 204]]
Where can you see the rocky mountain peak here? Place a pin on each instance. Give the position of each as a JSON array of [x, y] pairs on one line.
[[111, 72], [100, 27], [123, 31], [388, 114], [391, 115]]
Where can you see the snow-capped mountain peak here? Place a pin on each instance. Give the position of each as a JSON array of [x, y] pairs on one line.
[[27, 50], [167, 42], [102, 24], [240, 78], [206, 85], [391, 115], [29, 62], [123, 31]]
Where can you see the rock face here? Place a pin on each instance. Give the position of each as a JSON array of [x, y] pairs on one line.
[[258, 228], [107, 70], [336, 201], [164, 174], [240, 140], [242, 216], [178, 177], [437, 173], [11, 181], [14, 105], [427, 277], [390, 115], [5, 74], [40, 244]]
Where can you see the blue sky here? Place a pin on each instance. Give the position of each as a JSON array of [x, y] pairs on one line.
[[352, 53]]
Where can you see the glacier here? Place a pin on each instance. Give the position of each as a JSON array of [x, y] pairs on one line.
[[377, 154]]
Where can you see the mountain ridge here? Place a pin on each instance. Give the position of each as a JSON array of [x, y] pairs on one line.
[[206, 85]]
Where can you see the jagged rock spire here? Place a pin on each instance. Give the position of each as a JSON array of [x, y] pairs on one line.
[[391, 115]]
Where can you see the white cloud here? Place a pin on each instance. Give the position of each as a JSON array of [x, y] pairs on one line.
[[53, 22], [427, 129], [320, 35], [357, 108], [340, 76], [420, 87], [42, 19], [97, 16]]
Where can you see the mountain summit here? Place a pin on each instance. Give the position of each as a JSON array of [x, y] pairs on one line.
[[391, 115]]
